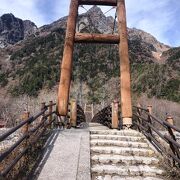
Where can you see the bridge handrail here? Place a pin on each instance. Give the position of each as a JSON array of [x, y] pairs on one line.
[[160, 121], [145, 124], [26, 136], [28, 121], [104, 116]]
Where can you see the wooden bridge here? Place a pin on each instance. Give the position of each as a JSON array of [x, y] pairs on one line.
[[121, 141]]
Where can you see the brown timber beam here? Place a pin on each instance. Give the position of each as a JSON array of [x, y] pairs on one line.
[[126, 104], [66, 66], [96, 38], [98, 2]]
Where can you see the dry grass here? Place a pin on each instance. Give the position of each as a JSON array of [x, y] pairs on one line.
[[162, 108], [12, 108], [171, 173], [6, 162], [28, 162]]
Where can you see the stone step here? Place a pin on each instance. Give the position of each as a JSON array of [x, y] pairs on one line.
[[92, 124], [122, 151], [106, 142], [117, 132], [138, 170], [127, 160], [97, 126], [108, 177], [117, 137]]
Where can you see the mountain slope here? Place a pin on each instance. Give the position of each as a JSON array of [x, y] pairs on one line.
[[33, 64]]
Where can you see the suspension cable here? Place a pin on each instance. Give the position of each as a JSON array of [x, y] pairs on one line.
[[113, 29], [114, 25], [83, 7], [110, 9]]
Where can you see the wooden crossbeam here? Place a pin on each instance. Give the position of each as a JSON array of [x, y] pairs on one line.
[[96, 38], [98, 2]]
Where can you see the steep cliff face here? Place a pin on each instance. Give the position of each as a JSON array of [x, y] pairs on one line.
[[29, 28], [13, 30], [142, 36]]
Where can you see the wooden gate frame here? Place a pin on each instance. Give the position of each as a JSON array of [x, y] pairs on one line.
[[73, 37]]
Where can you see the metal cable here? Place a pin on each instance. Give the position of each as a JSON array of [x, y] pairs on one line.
[[114, 25], [83, 7], [109, 10]]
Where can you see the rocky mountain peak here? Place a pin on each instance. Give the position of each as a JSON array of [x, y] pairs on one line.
[[137, 34], [13, 30], [8, 17], [95, 20], [95, 10], [29, 28]]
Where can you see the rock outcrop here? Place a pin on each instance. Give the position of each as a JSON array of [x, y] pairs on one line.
[[13, 30]]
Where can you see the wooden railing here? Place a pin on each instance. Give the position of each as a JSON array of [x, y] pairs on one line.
[[30, 135], [160, 133], [109, 116], [104, 117], [31, 129], [80, 115], [75, 114]]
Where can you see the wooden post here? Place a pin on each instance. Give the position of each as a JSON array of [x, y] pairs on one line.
[[25, 130], [25, 116], [173, 147], [43, 105], [139, 114], [115, 121], [92, 108], [66, 66], [73, 114], [170, 120], [126, 104], [149, 108], [85, 107], [50, 110]]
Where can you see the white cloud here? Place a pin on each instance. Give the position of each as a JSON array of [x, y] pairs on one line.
[[155, 17], [24, 9], [62, 8]]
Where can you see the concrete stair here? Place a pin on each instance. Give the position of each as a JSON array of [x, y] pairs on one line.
[[100, 142], [125, 160], [122, 155], [118, 137]]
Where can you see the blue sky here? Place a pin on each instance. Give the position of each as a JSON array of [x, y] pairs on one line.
[[159, 17]]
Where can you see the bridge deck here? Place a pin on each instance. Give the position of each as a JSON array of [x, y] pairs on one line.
[[113, 154], [67, 156]]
